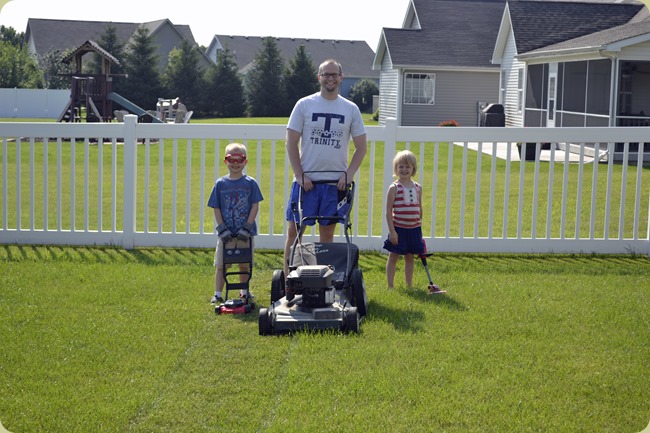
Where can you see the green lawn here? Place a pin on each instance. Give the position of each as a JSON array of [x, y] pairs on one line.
[[108, 340]]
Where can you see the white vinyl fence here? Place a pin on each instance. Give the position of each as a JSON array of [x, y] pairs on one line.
[[33, 103], [143, 185]]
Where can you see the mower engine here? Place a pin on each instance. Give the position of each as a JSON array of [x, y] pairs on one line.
[[314, 283]]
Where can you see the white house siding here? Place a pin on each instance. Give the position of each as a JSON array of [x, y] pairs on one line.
[[389, 85], [636, 52], [510, 67], [457, 95]]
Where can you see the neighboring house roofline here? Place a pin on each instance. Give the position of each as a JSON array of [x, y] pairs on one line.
[[607, 41], [502, 36]]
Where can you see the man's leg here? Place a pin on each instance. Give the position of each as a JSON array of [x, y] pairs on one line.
[[292, 232], [326, 233]]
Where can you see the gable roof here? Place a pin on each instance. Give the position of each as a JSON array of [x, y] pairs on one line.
[[537, 24], [49, 34], [355, 56], [451, 33], [87, 47]]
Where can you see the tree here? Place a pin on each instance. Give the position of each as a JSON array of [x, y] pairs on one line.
[[142, 87], [362, 94], [10, 35], [266, 94], [18, 68], [182, 78], [56, 74], [300, 77], [116, 48], [224, 96]]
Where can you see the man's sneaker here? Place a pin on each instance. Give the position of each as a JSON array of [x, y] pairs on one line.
[[216, 300]]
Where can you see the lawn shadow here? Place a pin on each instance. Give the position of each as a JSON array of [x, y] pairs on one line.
[[401, 317], [445, 300]]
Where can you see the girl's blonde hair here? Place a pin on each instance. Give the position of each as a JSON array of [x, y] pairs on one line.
[[405, 157], [236, 148]]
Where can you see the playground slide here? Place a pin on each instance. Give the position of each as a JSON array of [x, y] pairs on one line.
[[128, 105]]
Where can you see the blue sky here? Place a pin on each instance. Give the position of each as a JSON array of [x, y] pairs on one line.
[[351, 20]]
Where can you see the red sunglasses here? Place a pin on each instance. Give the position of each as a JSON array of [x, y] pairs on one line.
[[235, 158]]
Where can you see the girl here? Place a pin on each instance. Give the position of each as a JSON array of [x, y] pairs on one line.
[[404, 219]]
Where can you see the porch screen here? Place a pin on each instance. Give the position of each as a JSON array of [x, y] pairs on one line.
[[575, 89], [598, 85], [536, 86]]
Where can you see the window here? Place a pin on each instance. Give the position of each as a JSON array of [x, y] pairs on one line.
[[419, 88], [504, 85]]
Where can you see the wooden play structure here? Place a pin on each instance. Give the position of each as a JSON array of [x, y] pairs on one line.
[[89, 92], [91, 95]]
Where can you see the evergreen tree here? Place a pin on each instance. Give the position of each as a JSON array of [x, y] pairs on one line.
[[142, 87], [224, 89], [182, 78], [116, 48], [300, 77], [266, 93]]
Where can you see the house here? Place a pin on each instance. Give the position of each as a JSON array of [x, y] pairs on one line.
[[355, 56], [45, 35], [574, 64], [438, 66]]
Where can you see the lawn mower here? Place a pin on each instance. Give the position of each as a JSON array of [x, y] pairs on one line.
[[324, 288], [240, 253]]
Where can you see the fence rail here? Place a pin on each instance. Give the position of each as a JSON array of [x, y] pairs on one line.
[[141, 185]]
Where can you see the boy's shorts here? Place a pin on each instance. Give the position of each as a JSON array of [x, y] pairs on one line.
[[324, 200], [232, 243]]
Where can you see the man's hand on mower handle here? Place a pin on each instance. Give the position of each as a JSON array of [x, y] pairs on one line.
[[305, 183]]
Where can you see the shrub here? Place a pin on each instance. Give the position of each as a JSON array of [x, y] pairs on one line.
[[449, 123]]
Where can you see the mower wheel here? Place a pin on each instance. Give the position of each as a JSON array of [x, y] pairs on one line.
[[359, 296], [248, 308], [217, 309], [351, 320], [277, 285], [264, 321]]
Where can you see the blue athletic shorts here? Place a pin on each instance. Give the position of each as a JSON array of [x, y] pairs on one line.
[[409, 241], [323, 200]]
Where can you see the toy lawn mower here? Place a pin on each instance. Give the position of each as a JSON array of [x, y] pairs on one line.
[[324, 288], [241, 253]]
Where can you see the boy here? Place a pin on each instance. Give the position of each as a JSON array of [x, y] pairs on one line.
[[235, 199]]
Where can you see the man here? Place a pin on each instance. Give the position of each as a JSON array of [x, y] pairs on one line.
[[323, 123]]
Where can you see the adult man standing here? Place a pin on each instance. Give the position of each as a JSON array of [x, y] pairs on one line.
[[323, 123]]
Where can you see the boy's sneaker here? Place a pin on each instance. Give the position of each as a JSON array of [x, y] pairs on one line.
[[242, 295], [216, 300]]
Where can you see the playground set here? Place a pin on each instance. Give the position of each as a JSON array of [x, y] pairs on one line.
[[92, 94]]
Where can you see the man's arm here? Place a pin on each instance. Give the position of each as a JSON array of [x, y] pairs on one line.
[[360, 149], [293, 152]]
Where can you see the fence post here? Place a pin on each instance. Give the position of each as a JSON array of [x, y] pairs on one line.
[[130, 181], [390, 148]]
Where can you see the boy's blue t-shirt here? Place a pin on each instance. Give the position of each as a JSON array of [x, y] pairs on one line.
[[235, 198]]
